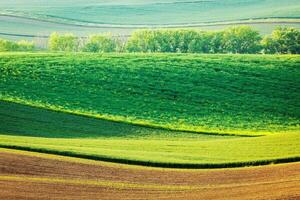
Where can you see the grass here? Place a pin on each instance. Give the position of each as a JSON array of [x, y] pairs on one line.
[[225, 94], [21, 120], [125, 107], [164, 153], [34, 129]]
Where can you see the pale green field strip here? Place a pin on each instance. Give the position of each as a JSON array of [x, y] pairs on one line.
[[122, 17], [182, 154], [16, 29], [151, 12], [74, 23], [115, 165]]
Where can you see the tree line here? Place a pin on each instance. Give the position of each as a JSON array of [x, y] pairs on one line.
[[240, 39]]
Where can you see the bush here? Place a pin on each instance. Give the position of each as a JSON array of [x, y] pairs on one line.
[[23, 45], [101, 43], [67, 42]]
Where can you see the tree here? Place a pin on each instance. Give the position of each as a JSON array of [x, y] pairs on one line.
[[283, 40], [67, 42], [101, 43], [269, 45], [161, 40], [24, 45], [201, 43], [241, 39], [216, 41], [6, 45], [184, 39], [140, 41]]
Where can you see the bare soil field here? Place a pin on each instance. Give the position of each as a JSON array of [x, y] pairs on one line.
[[25, 175]]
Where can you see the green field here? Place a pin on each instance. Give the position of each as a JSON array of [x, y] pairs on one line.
[[42, 130], [229, 94], [125, 107]]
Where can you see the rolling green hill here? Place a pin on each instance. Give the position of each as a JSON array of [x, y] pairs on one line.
[[220, 94], [125, 107], [41, 130]]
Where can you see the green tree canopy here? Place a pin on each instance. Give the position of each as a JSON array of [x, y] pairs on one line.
[[6, 45], [66, 42], [283, 40], [101, 43], [241, 39]]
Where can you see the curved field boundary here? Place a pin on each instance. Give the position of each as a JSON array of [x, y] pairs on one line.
[[81, 23], [156, 164], [130, 122]]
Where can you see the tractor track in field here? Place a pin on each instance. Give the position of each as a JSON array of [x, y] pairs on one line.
[[26, 175]]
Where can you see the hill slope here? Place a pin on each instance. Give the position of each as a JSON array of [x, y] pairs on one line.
[[132, 12], [41, 176], [41, 130], [250, 95]]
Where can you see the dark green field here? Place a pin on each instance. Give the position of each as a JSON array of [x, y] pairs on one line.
[[243, 95]]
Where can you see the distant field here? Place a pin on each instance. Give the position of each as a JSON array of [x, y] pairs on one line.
[[229, 94], [149, 12], [19, 28], [122, 17]]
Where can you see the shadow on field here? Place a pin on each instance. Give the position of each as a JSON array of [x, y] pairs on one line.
[[22, 120], [29, 121]]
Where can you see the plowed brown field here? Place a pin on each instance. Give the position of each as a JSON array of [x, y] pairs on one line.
[[25, 175]]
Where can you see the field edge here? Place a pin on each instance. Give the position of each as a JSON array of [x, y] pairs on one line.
[[155, 164]]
